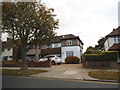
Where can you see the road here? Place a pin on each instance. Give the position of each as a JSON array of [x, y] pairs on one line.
[[21, 82]]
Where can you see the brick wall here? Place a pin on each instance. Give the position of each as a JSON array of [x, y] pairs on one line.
[[31, 63]]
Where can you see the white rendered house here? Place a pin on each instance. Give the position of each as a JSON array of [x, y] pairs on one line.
[[71, 46], [64, 45], [113, 40]]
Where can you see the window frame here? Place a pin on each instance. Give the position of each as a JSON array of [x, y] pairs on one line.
[[69, 42], [69, 53]]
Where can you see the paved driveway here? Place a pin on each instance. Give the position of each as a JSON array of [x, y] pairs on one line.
[[67, 71]]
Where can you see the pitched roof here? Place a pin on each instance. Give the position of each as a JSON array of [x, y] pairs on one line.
[[70, 36], [57, 39], [65, 37], [115, 47], [115, 32]]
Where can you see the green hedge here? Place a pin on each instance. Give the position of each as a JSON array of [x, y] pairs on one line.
[[104, 56], [72, 60], [93, 52]]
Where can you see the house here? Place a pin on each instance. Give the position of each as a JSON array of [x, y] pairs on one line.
[[7, 50], [64, 46], [112, 41]]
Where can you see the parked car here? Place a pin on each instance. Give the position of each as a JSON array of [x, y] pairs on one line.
[[55, 59]]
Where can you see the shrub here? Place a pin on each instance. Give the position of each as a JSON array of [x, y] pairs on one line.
[[72, 60], [30, 63], [93, 52], [104, 56], [9, 63]]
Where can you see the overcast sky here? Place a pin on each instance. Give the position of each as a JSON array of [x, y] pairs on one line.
[[88, 19]]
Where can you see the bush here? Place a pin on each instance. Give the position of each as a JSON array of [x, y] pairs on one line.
[[104, 56], [72, 60], [30, 63], [93, 52]]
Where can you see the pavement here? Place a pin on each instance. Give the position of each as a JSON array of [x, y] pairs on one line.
[[69, 71], [66, 71]]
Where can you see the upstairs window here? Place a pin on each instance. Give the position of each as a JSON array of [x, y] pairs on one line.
[[48, 46], [69, 42], [115, 39], [56, 45], [8, 49], [118, 39]]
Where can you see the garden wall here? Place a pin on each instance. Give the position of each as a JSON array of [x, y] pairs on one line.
[[31, 63], [105, 60]]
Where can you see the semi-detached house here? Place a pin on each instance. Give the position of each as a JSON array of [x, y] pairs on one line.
[[112, 41], [64, 45]]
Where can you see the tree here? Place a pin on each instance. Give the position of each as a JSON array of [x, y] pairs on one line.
[[100, 45], [28, 24]]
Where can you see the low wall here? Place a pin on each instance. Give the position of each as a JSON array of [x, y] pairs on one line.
[[105, 60], [101, 65], [31, 63]]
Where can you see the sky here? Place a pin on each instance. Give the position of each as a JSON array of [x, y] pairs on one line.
[[89, 19]]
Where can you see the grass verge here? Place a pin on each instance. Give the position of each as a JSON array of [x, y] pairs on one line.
[[18, 72], [105, 75]]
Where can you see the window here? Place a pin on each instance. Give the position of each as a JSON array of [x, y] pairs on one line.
[[69, 53], [69, 42], [115, 39], [3, 50], [118, 39], [8, 49], [48, 46], [56, 45]]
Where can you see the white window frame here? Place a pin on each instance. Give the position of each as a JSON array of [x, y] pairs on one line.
[[56, 45], [69, 42], [115, 39], [48, 46], [69, 53], [119, 40]]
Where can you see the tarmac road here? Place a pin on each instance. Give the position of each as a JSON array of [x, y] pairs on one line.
[[26, 82]]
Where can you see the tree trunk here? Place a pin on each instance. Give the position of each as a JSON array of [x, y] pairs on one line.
[[37, 52], [24, 61]]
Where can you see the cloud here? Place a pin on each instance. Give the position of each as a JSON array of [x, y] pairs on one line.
[[90, 19]]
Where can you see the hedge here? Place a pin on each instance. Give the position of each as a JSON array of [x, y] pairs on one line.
[[104, 56], [93, 52], [30, 63]]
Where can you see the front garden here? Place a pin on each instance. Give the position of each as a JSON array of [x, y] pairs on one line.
[[18, 72], [105, 75]]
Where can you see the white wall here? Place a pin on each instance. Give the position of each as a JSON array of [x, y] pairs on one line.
[[108, 43], [75, 49], [7, 52]]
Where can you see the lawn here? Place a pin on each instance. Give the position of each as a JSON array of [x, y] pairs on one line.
[[105, 75], [18, 72]]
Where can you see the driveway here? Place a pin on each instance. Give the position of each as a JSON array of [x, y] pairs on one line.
[[66, 71]]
